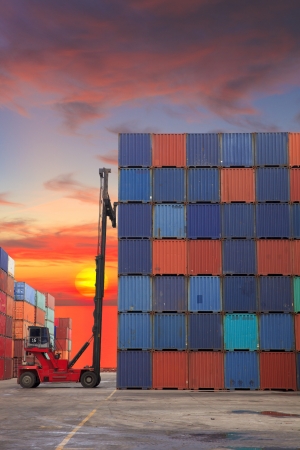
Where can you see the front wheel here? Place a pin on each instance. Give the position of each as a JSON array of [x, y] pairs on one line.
[[89, 379], [28, 380], [98, 381]]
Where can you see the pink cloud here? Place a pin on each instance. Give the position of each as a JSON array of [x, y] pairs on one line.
[[4, 200], [73, 189]]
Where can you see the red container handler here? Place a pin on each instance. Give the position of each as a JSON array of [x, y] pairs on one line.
[[295, 185], [2, 302], [297, 332], [274, 257], [206, 370], [169, 257], [237, 185], [170, 370], [204, 257], [2, 364], [169, 150], [278, 370], [294, 149]]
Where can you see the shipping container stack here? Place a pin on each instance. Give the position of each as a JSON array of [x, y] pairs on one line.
[[50, 313], [7, 270], [209, 261], [63, 337]]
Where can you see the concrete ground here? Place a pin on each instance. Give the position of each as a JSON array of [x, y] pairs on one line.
[[67, 416]]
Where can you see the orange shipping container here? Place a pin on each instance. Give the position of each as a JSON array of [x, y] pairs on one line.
[[294, 149], [295, 185], [10, 306], [10, 286], [237, 185], [170, 370], [20, 329], [204, 257], [296, 257], [50, 301], [169, 257], [169, 150], [39, 316], [62, 345], [274, 257], [8, 348], [278, 370], [206, 370], [297, 332], [24, 311], [62, 333]]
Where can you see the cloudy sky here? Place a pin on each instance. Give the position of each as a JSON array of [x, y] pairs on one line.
[[75, 73]]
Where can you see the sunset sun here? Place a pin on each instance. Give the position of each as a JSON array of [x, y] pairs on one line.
[[85, 282]]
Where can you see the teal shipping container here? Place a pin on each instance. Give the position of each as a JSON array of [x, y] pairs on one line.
[[40, 300], [241, 332]]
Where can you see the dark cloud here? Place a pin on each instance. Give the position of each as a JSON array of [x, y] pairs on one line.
[[72, 188], [76, 113]]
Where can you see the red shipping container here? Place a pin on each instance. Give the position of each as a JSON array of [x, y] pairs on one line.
[[39, 317], [2, 324], [169, 257], [297, 332], [8, 368], [294, 149], [18, 348], [10, 286], [237, 185], [3, 281], [295, 257], [24, 311], [61, 333], [204, 257], [65, 322], [2, 302], [169, 150], [20, 329], [274, 257], [1, 369], [206, 370], [295, 185], [50, 301], [278, 370], [170, 370], [9, 327], [8, 348], [56, 322], [2, 346], [10, 306], [61, 345], [69, 334]]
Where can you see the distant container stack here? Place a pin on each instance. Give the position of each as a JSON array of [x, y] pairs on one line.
[[209, 261], [7, 272], [63, 337]]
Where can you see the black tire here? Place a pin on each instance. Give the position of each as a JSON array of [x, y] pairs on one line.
[[98, 381], [28, 380], [36, 384], [88, 379]]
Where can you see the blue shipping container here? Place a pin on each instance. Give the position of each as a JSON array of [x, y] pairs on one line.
[[241, 370], [238, 220], [135, 331], [275, 294], [203, 221], [239, 257], [135, 150], [169, 293], [204, 294], [273, 220], [239, 294], [240, 332], [135, 293], [134, 257], [272, 184], [237, 149], [169, 185], [135, 220], [169, 331], [277, 332], [134, 370], [205, 331], [271, 149], [203, 185], [3, 260], [202, 150], [24, 292], [135, 185], [296, 220], [169, 221]]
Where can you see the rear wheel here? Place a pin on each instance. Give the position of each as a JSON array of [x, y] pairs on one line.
[[37, 383], [28, 380], [89, 379]]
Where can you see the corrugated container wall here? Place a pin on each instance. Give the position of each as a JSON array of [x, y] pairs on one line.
[[271, 149], [135, 220], [203, 221], [238, 220], [241, 370], [169, 150], [135, 150], [278, 370], [169, 257], [135, 331], [239, 294], [203, 185], [3, 260], [296, 220], [205, 331], [273, 220], [274, 257], [204, 294], [169, 185], [134, 370], [204, 257], [237, 149], [169, 293], [135, 293], [277, 332], [135, 185], [169, 221], [134, 257], [272, 184], [241, 332], [170, 370], [294, 149], [25, 292], [275, 294], [295, 185], [169, 331], [206, 370], [237, 185], [239, 257], [203, 150]]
